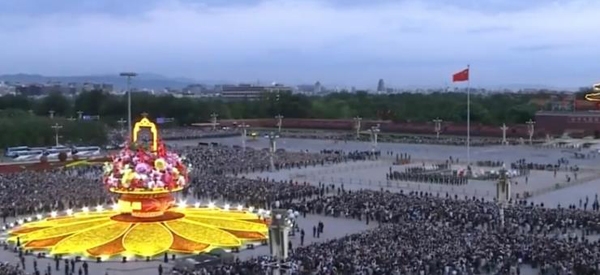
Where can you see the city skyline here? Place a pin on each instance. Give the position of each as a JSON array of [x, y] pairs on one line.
[[353, 43]]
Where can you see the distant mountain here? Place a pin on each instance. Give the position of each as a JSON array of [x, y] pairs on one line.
[[144, 80]]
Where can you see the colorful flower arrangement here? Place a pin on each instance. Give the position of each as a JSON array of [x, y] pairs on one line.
[[138, 169]]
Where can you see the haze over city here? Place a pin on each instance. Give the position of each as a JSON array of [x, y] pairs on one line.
[[551, 43]]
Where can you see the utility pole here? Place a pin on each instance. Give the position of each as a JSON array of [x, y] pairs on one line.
[[374, 132], [502, 193], [357, 126], [504, 128], [51, 112], [279, 122], [56, 128], [272, 148], [129, 76], [244, 128], [213, 120], [80, 115], [531, 130], [438, 127]]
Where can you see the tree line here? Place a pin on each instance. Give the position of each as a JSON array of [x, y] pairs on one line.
[[493, 109], [23, 128]]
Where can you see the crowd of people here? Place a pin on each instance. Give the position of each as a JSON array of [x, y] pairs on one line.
[[8, 269], [435, 178], [420, 233], [32, 192], [417, 232]]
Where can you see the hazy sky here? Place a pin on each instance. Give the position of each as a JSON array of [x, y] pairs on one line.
[[343, 42]]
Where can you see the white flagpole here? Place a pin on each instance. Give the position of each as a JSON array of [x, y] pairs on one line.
[[469, 115]]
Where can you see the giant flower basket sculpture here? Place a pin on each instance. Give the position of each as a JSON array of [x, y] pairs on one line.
[[145, 221]]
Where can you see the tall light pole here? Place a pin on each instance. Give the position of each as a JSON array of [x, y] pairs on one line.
[[56, 128], [122, 125], [51, 112], [437, 127], [530, 130], [281, 223], [502, 193], [244, 128], [129, 76], [213, 120], [374, 132], [279, 122], [272, 148], [504, 128], [357, 126]]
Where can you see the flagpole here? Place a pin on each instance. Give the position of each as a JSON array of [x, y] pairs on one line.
[[469, 116]]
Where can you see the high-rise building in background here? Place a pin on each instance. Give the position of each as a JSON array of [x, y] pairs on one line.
[[380, 86], [318, 88]]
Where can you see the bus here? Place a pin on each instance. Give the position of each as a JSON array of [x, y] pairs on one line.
[[86, 151], [12, 151], [53, 152], [29, 155]]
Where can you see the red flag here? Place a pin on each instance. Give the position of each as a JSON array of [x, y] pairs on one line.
[[461, 76]]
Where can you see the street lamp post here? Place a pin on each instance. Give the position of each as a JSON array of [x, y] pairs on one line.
[[213, 120], [282, 222], [272, 148], [56, 128], [129, 76], [357, 126], [504, 128], [279, 122], [531, 130], [244, 128], [437, 127], [51, 112], [502, 193], [374, 133]]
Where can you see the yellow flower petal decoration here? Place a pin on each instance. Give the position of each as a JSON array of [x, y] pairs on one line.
[[229, 224], [57, 231], [147, 239], [80, 242], [200, 233]]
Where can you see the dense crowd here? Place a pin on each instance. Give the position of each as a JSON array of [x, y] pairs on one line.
[[8, 269], [418, 233], [32, 192]]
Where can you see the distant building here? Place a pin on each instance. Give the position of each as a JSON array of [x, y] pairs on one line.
[[318, 87], [250, 92], [380, 86]]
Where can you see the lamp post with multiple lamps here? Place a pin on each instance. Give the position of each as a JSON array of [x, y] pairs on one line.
[[213, 120], [530, 130], [244, 128], [504, 128], [437, 127], [374, 134], [129, 76], [282, 223], [272, 148], [279, 123], [502, 192], [56, 128], [357, 126]]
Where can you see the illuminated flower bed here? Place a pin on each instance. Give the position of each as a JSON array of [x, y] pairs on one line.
[[105, 233]]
